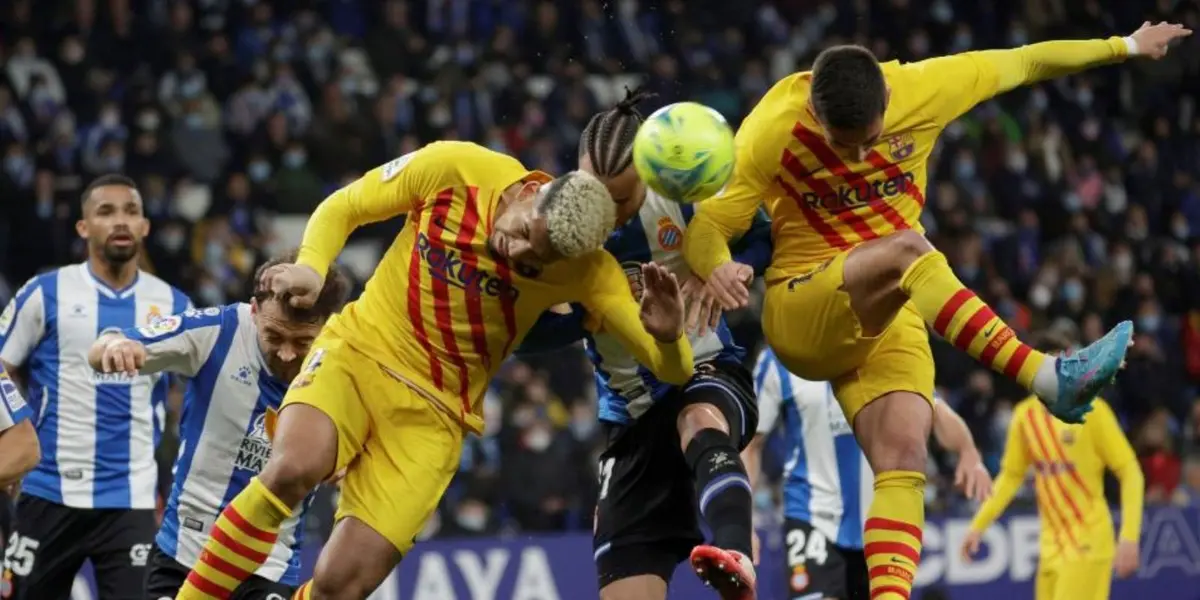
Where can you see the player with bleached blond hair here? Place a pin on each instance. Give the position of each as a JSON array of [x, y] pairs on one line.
[[395, 381]]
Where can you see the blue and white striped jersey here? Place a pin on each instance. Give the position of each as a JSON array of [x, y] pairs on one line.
[[97, 431], [627, 389], [13, 408], [827, 481], [223, 435]]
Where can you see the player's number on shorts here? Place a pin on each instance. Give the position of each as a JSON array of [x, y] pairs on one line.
[[803, 548], [606, 467], [18, 557]]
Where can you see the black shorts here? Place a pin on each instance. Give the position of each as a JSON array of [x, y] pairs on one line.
[[646, 517], [166, 576], [50, 542], [817, 569]]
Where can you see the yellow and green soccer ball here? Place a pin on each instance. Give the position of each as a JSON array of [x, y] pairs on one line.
[[684, 151]]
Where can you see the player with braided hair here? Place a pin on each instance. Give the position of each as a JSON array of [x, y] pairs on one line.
[[671, 448]]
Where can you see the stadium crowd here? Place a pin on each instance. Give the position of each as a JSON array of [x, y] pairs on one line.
[[1069, 205]]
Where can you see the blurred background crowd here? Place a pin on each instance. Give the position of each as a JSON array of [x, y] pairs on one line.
[[1069, 205]]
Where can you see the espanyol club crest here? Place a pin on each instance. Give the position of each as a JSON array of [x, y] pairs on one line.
[[670, 236], [799, 578], [637, 283]]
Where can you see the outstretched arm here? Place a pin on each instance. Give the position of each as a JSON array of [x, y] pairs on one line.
[[653, 331], [387, 191], [959, 82], [177, 344]]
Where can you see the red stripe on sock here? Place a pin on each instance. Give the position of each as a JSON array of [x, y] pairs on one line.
[[891, 571], [994, 345], [1016, 361], [893, 525], [950, 309], [205, 586], [237, 547], [898, 548], [249, 528], [974, 325], [890, 589], [225, 567]]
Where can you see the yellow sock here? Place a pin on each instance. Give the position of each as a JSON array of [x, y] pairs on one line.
[[238, 544], [892, 533], [962, 319], [303, 592]]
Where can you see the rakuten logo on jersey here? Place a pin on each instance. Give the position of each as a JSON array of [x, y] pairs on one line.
[[446, 265], [846, 197]]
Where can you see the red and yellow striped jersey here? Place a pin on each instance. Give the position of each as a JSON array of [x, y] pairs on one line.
[[822, 202], [1068, 463], [441, 310]]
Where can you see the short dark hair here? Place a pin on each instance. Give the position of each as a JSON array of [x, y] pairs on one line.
[[608, 138], [106, 180], [848, 89], [331, 299], [1052, 342]]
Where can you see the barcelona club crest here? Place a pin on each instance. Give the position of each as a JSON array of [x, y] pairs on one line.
[[901, 146]]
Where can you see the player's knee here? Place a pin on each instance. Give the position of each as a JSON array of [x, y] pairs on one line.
[[291, 476], [332, 583], [900, 451], [905, 247], [695, 418]]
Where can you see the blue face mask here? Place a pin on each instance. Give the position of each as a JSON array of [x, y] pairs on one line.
[[294, 160], [964, 169], [15, 164], [1072, 291], [1149, 323], [194, 120], [259, 171]]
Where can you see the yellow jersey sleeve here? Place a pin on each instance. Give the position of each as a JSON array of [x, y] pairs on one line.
[[387, 191], [1013, 467], [611, 307], [729, 214], [949, 86], [1118, 456]]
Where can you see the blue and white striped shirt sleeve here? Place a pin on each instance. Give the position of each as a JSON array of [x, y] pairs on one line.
[[13, 408], [769, 391], [179, 343], [23, 323]]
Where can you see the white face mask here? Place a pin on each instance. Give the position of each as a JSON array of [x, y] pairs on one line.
[[538, 439], [1040, 296]]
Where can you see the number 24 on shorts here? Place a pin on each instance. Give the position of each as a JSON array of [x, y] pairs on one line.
[[802, 548]]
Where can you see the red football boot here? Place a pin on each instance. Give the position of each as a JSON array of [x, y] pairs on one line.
[[729, 572]]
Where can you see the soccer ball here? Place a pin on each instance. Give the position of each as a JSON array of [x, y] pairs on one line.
[[684, 151]]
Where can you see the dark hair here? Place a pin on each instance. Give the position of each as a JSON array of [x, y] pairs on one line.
[[106, 180], [1052, 342], [848, 89], [608, 138], [333, 294]]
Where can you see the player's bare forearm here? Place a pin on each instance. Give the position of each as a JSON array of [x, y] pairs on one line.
[[951, 432], [19, 452]]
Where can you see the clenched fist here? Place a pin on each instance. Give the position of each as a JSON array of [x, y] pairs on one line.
[[123, 355]]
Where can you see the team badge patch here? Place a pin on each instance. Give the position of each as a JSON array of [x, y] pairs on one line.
[[392, 169], [9, 392], [161, 326], [799, 579], [901, 146], [6, 317], [154, 314], [311, 364], [670, 236]]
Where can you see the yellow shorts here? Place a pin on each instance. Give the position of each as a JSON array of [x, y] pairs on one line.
[[1076, 580], [808, 321], [398, 450]]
